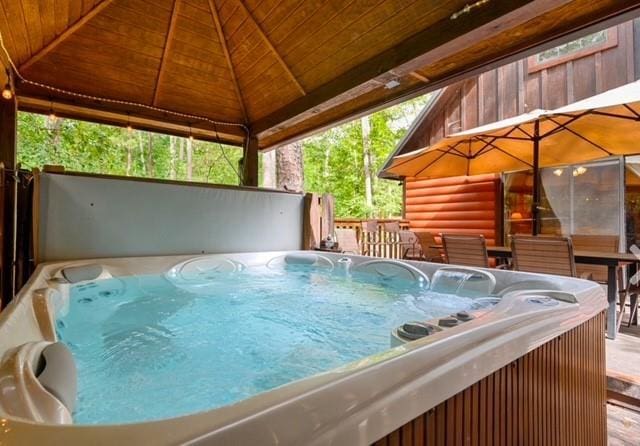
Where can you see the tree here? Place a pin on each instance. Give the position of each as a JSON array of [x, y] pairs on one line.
[[332, 161], [289, 167], [367, 162]]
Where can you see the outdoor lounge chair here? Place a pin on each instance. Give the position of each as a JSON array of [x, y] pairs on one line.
[[347, 240], [427, 244], [409, 246]]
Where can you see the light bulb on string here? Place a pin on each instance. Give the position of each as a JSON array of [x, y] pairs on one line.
[[7, 91], [52, 114]]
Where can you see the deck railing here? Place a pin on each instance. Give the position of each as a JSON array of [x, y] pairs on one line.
[[378, 244]]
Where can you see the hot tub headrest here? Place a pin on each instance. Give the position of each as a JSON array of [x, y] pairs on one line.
[[58, 374], [75, 274], [300, 259]]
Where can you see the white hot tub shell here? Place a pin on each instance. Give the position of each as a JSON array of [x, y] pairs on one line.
[[354, 405]]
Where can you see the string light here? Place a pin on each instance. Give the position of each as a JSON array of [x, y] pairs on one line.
[[129, 128], [52, 114], [114, 101], [6, 92]]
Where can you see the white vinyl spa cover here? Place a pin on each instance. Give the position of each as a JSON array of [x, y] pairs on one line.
[[90, 217]]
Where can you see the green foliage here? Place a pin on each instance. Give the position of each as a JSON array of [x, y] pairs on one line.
[[334, 162], [87, 147]]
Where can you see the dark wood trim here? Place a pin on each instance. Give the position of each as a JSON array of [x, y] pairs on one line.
[[612, 41], [554, 395], [231, 135], [8, 139], [250, 163]]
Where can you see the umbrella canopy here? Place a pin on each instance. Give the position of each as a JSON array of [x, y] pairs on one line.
[[600, 126], [603, 125]]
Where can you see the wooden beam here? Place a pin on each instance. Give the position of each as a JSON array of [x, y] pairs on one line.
[[167, 46], [420, 77], [66, 34], [275, 133], [232, 135], [250, 163], [273, 49], [8, 137], [223, 43], [411, 48]]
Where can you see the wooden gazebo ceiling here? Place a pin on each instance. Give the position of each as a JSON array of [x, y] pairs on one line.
[[283, 68]]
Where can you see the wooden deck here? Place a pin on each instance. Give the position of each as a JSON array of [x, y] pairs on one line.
[[623, 383]]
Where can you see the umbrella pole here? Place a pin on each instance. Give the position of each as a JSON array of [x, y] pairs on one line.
[[535, 206]]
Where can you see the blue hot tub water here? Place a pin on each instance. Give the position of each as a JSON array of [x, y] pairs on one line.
[[152, 347]]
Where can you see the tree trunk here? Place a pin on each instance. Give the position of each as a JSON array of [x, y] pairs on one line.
[[325, 164], [189, 159], [150, 163], [172, 157], [367, 157], [289, 167], [269, 175], [142, 157], [55, 125], [129, 154]]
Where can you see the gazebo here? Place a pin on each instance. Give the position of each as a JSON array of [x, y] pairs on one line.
[[257, 74]]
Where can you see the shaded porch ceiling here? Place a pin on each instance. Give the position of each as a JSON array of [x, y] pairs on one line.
[[280, 68]]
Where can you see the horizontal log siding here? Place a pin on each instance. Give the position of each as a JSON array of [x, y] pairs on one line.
[[554, 395], [461, 205]]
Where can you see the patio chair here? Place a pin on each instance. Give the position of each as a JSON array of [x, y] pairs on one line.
[[409, 246], [427, 242], [370, 240], [605, 243], [465, 250], [543, 254], [347, 240], [599, 243]]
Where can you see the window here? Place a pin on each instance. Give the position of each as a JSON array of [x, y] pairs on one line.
[[575, 49], [580, 199]]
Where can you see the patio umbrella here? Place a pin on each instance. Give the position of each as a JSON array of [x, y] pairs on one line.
[[600, 126]]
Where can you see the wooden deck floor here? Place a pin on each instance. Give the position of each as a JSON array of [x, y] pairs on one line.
[[623, 382], [623, 426]]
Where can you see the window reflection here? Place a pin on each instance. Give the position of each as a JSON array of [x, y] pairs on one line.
[[581, 199]]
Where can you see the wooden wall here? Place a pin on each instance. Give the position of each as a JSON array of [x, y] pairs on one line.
[[519, 87], [455, 205], [554, 395]]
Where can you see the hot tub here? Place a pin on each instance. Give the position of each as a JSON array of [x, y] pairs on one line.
[[299, 348]]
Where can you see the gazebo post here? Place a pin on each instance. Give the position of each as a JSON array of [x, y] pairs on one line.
[[250, 163], [535, 205], [8, 136]]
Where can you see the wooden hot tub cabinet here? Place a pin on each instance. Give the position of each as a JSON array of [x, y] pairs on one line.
[[554, 395]]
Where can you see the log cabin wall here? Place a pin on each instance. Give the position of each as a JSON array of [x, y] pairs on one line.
[[455, 205], [502, 93]]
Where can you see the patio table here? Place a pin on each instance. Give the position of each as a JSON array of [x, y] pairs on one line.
[[609, 259]]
